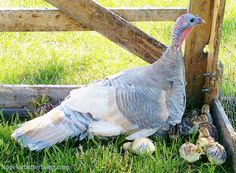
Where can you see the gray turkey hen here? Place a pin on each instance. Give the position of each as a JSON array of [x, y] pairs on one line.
[[140, 101]]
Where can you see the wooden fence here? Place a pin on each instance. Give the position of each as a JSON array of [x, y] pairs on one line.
[[114, 23]]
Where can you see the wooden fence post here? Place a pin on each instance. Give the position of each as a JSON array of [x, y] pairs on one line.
[[195, 58], [112, 26], [213, 66]]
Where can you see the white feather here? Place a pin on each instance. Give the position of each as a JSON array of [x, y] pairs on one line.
[[105, 129], [141, 134]]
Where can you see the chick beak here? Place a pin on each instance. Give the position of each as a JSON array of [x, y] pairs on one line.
[[199, 150]]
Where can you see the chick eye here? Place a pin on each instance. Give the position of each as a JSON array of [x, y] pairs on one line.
[[192, 20]]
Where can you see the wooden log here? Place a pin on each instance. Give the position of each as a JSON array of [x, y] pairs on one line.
[[113, 27], [20, 96], [21, 20], [226, 131], [214, 81], [195, 58]]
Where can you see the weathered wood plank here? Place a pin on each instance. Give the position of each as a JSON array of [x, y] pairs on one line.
[[213, 66], [195, 58], [113, 27], [20, 96], [149, 14], [37, 20], [18, 20], [20, 112], [226, 131]]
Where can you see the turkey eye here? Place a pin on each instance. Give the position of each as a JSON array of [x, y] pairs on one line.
[[192, 20]]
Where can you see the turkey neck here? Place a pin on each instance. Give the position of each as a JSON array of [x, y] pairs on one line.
[[170, 66]]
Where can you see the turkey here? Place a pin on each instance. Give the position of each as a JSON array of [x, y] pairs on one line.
[[139, 101]]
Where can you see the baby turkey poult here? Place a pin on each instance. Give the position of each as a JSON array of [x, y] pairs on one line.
[[208, 129], [186, 126], [140, 146], [190, 152], [215, 153], [206, 111]]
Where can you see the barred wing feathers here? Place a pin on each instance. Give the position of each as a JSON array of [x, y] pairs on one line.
[[143, 106]]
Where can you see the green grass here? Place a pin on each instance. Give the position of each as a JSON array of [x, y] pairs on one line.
[[78, 58], [98, 156]]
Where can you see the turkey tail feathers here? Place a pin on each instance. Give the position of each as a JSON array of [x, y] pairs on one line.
[[55, 126]]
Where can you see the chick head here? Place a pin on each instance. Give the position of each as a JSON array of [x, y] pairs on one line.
[[199, 150], [205, 108], [204, 141], [204, 132]]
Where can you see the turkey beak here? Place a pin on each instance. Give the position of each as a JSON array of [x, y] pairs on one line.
[[200, 21], [203, 21]]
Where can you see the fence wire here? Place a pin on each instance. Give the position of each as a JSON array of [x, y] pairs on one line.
[[228, 57], [229, 104], [228, 98]]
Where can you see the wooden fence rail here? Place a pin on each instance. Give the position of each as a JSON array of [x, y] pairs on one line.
[[25, 19], [20, 96]]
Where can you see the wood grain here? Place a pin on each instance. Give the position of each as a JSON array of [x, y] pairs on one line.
[[20, 96], [195, 58], [213, 66], [226, 131], [149, 14], [21, 20], [113, 27]]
